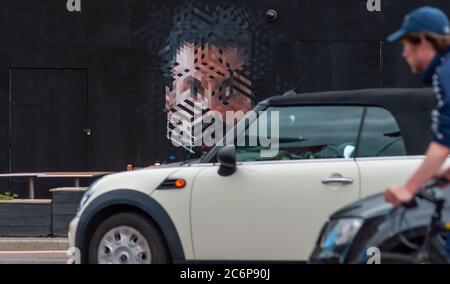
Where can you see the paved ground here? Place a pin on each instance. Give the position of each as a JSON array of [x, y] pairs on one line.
[[33, 257], [33, 250]]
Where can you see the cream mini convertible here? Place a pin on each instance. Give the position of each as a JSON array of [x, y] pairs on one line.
[[235, 206]]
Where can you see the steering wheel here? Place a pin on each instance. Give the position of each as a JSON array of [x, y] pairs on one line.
[[283, 155], [387, 146], [334, 148], [286, 155]]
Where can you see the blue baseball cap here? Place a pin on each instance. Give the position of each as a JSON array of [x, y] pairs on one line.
[[424, 19]]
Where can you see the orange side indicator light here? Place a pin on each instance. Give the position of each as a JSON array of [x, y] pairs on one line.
[[180, 183]]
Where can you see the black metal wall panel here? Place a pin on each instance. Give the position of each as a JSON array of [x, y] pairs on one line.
[[48, 122], [129, 51], [4, 120]]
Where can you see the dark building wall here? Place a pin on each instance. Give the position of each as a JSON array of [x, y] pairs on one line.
[[115, 48]]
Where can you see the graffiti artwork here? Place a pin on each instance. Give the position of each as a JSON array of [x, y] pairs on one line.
[[210, 63]]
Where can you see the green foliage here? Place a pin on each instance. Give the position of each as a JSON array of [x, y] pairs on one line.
[[8, 196]]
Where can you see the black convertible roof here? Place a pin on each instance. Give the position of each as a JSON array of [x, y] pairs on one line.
[[395, 100]]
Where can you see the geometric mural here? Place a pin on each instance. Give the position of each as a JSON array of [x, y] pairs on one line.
[[209, 77], [210, 57]]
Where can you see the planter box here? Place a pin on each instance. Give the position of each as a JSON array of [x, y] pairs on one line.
[[64, 208], [26, 218]]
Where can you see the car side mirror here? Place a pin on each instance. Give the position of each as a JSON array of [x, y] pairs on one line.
[[227, 160]]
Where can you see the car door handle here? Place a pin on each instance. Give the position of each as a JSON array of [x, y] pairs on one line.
[[342, 180]]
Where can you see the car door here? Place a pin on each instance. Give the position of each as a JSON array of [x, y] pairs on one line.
[[273, 208], [381, 156]]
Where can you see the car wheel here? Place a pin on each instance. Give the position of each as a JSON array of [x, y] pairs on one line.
[[127, 238]]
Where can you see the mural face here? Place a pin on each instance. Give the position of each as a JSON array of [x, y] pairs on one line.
[[209, 76], [206, 77], [211, 57]]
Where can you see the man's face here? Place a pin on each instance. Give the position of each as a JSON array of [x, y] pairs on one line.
[[412, 56], [418, 56]]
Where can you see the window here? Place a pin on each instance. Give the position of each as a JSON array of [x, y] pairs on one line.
[[305, 132], [381, 136]]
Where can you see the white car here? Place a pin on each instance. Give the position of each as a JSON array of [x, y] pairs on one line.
[[335, 148]]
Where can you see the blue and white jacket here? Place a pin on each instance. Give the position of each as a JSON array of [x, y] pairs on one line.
[[438, 74]]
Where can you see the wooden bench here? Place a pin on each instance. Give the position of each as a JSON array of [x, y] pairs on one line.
[[31, 180], [53, 175], [26, 201]]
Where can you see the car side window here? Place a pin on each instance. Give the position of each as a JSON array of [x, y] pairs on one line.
[[381, 136], [307, 132]]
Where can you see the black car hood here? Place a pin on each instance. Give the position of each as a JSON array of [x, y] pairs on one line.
[[369, 207]]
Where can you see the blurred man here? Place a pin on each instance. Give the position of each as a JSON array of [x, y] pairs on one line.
[[425, 36]]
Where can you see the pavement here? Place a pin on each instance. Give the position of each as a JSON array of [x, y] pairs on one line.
[[33, 250]]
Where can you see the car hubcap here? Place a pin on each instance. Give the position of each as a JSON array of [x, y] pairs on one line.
[[124, 245]]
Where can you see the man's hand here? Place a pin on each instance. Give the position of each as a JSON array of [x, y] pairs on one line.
[[398, 195]]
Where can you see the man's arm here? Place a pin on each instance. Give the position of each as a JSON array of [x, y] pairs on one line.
[[435, 158]]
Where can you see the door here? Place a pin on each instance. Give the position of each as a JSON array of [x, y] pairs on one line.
[[48, 117], [382, 157], [272, 208]]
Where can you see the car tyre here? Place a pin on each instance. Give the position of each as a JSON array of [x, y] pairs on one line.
[[127, 238]]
